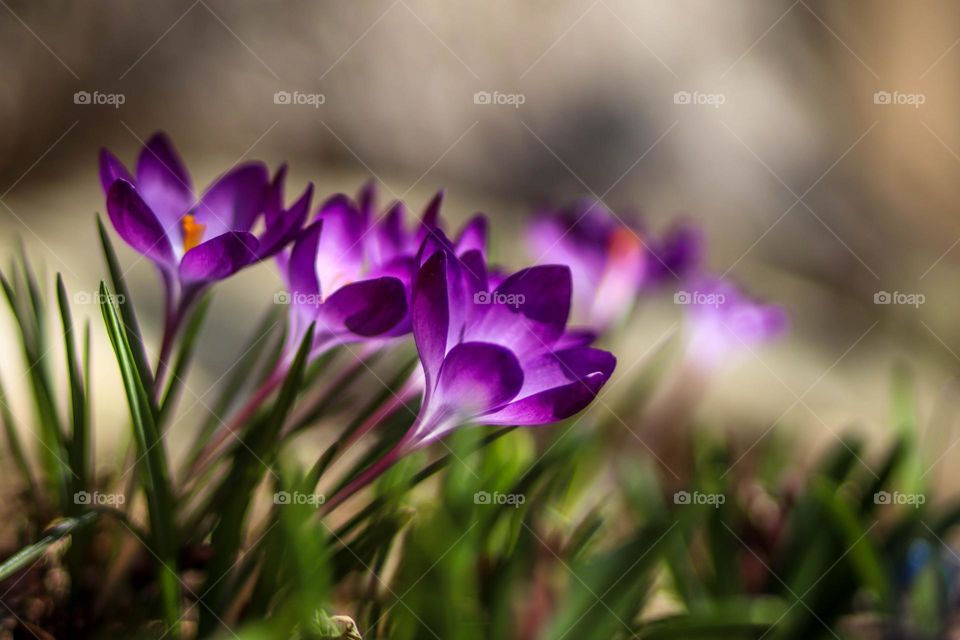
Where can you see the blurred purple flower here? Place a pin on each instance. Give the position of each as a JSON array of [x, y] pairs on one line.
[[611, 261], [195, 241], [499, 357], [723, 320]]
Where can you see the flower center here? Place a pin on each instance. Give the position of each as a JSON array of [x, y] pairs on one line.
[[192, 232], [623, 245]]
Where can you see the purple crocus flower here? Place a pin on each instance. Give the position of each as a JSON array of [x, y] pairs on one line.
[[499, 357], [611, 261], [493, 357], [195, 241], [352, 275], [723, 321]]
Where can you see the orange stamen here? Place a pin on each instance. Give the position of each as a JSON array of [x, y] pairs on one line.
[[623, 244], [192, 232]]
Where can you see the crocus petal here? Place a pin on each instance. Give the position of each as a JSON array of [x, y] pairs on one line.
[[234, 200], [302, 271], [474, 235], [528, 311], [430, 221], [273, 201], [430, 314], [556, 386], [367, 308], [163, 181], [476, 378], [284, 228], [576, 338], [218, 257], [112, 170], [340, 255], [136, 223], [388, 239], [675, 256]]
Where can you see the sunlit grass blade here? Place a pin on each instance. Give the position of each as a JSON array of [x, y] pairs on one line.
[[79, 445], [233, 497], [56, 468], [152, 462], [127, 313]]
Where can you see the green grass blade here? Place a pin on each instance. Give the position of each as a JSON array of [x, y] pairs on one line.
[[29, 554], [135, 336], [233, 496], [153, 462], [79, 445], [54, 458]]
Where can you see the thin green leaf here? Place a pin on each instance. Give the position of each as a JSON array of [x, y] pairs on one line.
[[234, 495], [152, 459], [28, 555], [79, 445], [132, 326]]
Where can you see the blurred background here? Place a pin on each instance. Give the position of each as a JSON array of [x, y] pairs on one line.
[[815, 142]]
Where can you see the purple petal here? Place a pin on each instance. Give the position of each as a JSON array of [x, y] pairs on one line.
[[273, 201], [285, 226], [111, 170], [163, 181], [233, 201], [477, 377], [430, 221], [302, 270], [219, 257], [474, 235], [556, 386], [675, 256], [136, 223], [430, 314], [340, 254], [366, 198], [576, 338], [388, 235], [367, 308], [528, 311]]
